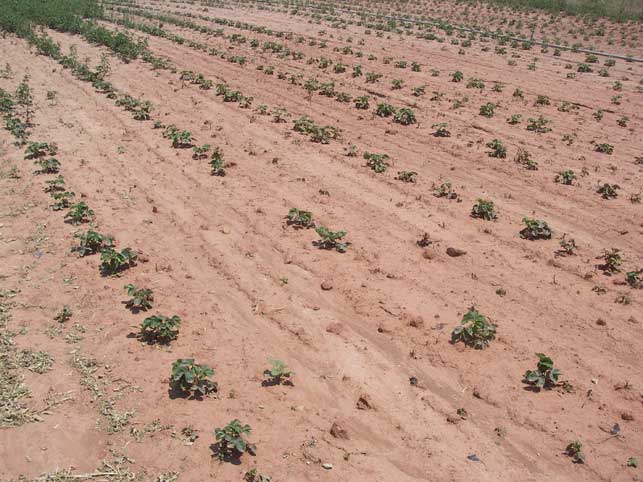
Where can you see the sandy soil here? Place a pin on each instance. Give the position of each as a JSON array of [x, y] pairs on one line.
[[218, 253]]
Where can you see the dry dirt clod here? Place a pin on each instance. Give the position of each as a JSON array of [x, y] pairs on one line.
[[326, 285], [337, 431], [628, 416], [364, 402], [455, 252], [336, 328]]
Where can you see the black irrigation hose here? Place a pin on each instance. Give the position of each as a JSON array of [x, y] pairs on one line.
[[467, 29]]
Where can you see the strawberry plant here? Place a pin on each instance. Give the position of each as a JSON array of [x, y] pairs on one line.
[[48, 166], [484, 209], [567, 246], [217, 163], [385, 110], [277, 372], [377, 162], [331, 239], [200, 152], [445, 190], [474, 330], [612, 261], [635, 278], [524, 158], [566, 177], [181, 139], [63, 315], [475, 84], [545, 375], [372, 77], [161, 329], [36, 150], [113, 262], [62, 200], [396, 84], [498, 149], [575, 451], [299, 218], [254, 476], [441, 129], [362, 102], [535, 229], [608, 191], [487, 109], [418, 91], [79, 213], [92, 242], [540, 125], [231, 441], [542, 100], [141, 298], [457, 76], [55, 185], [405, 117], [605, 148], [191, 378], [407, 176]]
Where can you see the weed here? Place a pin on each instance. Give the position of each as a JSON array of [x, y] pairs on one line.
[[161, 329], [484, 209], [331, 239], [545, 375], [191, 378], [474, 330], [535, 229]]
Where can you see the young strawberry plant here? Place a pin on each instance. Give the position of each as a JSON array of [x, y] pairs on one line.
[[539, 125], [635, 278], [575, 451], [36, 150], [384, 110], [405, 117], [141, 298], [484, 209], [362, 102], [331, 239], [113, 262], [545, 375], [62, 200], [55, 185], [63, 315], [217, 163], [201, 152], [231, 443], [192, 379], [524, 159], [612, 261], [535, 229], [48, 166], [474, 330], [277, 372], [160, 329], [92, 242], [567, 246], [608, 191], [498, 149], [377, 162], [457, 76], [407, 176], [79, 213], [487, 109], [300, 219], [566, 177], [441, 129], [605, 148], [445, 190]]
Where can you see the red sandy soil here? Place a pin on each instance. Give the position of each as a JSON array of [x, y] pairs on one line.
[[217, 252]]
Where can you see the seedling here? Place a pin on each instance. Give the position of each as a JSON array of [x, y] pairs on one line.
[[299, 218], [545, 375], [407, 176], [142, 298], [575, 451], [231, 441], [191, 378], [63, 315], [405, 117], [79, 213], [498, 149], [377, 162], [48, 166], [535, 229], [92, 242], [566, 177], [113, 262], [441, 129], [567, 246], [474, 330], [161, 329], [331, 239], [445, 190], [612, 261], [608, 191], [484, 209], [277, 372]]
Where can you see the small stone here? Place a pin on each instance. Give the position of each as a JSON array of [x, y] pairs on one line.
[[326, 285], [455, 252], [327, 466], [601, 322], [225, 229], [337, 431], [364, 402]]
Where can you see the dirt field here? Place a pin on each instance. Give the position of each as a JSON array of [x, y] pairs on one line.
[[379, 390]]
